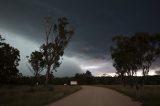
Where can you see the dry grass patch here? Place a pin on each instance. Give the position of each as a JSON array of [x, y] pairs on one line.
[[149, 95], [33, 96]]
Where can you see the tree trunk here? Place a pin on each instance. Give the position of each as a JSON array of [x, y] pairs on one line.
[[47, 76], [36, 78]]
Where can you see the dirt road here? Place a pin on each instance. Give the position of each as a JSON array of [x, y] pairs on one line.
[[96, 96]]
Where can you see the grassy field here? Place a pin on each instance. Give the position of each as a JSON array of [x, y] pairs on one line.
[[33, 96], [149, 95]]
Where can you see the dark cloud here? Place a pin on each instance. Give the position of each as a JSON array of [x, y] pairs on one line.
[[95, 21], [69, 67]]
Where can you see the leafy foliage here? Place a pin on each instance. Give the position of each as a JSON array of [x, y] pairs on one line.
[[58, 36], [36, 61], [133, 53], [85, 78], [9, 58]]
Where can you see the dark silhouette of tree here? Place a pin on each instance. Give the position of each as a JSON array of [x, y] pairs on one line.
[[120, 54], [36, 61], [148, 50], [9, 58], [58, 36], [88, 73], [84, 78], [133, 53]]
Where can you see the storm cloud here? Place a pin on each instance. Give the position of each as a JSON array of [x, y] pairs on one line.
[[95, 22]]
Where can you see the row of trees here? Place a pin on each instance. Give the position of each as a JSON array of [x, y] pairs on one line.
[[135, 53], [85, 79]]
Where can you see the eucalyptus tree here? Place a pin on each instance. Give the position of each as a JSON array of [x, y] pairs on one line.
[[119, 56], [58, 36], [133, 53], [37, 64], [9, 60], [148, 49], [127, 55], [151, 54]]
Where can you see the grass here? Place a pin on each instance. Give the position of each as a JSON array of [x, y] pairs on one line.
[[149, 95], [33, 96]]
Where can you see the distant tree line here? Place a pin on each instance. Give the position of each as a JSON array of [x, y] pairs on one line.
[[84, 79]]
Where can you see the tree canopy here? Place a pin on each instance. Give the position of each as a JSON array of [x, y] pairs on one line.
[[133, 53], [9, 58], [58, 34]]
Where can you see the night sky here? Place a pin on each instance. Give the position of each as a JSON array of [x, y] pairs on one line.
[[95, 23]]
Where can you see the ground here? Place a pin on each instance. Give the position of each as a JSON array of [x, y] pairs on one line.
[[96, 96], [33, 96]]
